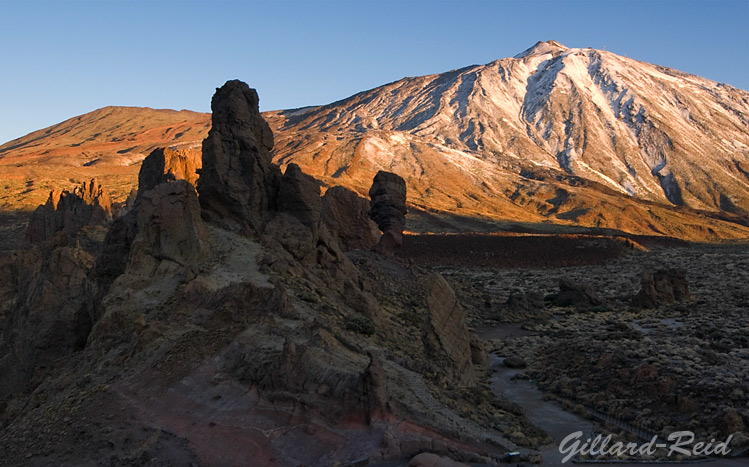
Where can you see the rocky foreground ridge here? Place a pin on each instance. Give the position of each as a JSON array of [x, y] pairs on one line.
[[235, 317]]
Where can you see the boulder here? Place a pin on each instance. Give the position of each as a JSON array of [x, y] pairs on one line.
[[662, 287], [575, 294], [388, 210], [528, 301], [68, 212], [445, 334], [346, 215], [238, 183], [299, 195], [479, 354]]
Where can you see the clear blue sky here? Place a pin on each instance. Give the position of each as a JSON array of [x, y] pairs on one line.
[[61, 58]]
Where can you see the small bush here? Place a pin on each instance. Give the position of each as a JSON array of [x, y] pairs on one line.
[[360, 324]]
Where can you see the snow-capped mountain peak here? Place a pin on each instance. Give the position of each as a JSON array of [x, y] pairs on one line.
[[634, 129], [543, 48]]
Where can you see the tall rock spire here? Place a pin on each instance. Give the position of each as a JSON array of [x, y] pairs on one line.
[[237, 183]]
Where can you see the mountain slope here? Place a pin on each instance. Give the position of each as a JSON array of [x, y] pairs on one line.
[[566, 135], [108, 143]]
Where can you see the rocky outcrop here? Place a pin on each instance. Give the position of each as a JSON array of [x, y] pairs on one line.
[[238, 183], [68, 212], [445, 334], [173, 208], [388, 210], [168, 164], [662, 287], [51, 317], [299, 195], [375, 385], [53, 310], [345, 214], [169, 223]]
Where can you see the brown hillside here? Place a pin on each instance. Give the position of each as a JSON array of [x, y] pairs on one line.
[[108, 144]]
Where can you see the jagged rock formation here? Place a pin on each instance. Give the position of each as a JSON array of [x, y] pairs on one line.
[[345, 215], [51, 317], [165, 164], [115, 250], [168, 209], [52, 312], [205, 328], [68, 212], [237, 183], [388, 210], [662, 287]]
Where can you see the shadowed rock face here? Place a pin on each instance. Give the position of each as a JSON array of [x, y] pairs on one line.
[[169, 223], [67, 212], [299, 195], [388, 210], [51, 317], [179, 232], [345, 214], [237, 183], [445, 333]]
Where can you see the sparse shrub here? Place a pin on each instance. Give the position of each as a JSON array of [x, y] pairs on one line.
[[309, 296], [360, 324]]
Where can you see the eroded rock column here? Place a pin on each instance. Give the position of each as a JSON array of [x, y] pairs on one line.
[[388, 210]]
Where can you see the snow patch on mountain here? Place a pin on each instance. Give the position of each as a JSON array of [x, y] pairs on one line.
[[638, 128]]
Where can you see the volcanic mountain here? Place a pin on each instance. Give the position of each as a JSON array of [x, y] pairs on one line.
[[554, 135]]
